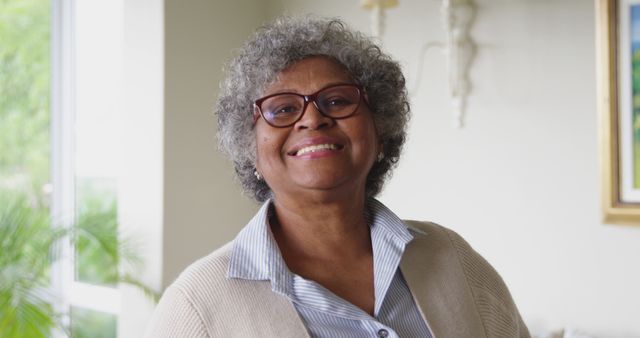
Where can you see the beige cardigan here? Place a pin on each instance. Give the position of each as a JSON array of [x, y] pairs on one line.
[[458, 293]]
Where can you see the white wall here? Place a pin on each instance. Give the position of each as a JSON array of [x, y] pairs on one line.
[[140, 188], [520, 182]]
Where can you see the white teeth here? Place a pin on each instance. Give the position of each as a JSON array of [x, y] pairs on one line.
[[316, 147]]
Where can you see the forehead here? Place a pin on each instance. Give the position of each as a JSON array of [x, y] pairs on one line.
[[308, 75]]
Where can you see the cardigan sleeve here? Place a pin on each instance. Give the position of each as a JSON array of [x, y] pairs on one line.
[[495, 305], [175, 316]]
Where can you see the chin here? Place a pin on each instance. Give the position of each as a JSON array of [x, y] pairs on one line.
[[319, 184], [325, 184]]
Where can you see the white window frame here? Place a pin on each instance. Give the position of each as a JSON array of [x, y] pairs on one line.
[[69, 291]]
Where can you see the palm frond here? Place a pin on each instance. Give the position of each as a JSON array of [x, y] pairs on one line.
[[29, 244], [149, 292]]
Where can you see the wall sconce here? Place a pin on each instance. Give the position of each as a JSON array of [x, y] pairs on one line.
[[377, 8], [459, 47]]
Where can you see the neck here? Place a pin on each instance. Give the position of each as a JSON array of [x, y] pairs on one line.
[[320, 228]]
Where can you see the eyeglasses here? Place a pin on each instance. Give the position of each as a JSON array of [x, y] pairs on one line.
[[285, 109]]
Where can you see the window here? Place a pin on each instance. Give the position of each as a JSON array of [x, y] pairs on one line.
[[60, 80], [25, 101], [86, 161]]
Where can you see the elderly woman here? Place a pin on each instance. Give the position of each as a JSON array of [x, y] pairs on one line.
[[313, 116]]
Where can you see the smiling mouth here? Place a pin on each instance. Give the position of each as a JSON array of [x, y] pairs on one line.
[[315, 148]]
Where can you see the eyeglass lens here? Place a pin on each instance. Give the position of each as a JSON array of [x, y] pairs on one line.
[[335, 102]]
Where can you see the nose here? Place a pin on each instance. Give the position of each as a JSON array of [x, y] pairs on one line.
[[313, 119]]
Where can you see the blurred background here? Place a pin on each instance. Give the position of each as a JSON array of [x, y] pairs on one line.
[[108, 152]]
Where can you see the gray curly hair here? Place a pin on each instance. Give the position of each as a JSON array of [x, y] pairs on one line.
[[285, 41]]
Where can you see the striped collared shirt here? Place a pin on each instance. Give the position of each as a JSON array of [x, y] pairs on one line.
[[255, 256]]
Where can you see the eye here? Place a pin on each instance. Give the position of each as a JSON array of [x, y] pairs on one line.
[[337, 101], [284, 110], [281, 106]]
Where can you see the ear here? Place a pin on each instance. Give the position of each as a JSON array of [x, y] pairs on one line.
[[256, 159], [256, 163], [380, 152]]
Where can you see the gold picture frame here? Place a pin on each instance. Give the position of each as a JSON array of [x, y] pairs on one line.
[[613, 84]]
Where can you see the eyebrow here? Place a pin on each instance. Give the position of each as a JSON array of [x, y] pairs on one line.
[[290, 90]]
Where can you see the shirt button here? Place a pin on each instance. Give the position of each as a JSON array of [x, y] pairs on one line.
[[382, 333]]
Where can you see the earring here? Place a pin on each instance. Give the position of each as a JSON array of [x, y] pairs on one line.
[[380, 156], [257, 174]]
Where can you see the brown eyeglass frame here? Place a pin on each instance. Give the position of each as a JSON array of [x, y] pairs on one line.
[[257, 104]]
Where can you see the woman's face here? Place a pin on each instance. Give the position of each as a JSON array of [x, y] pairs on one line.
[[344, 149]]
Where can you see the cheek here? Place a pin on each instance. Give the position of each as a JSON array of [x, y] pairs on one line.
[[367, 137], [268, 145], [261, 141]]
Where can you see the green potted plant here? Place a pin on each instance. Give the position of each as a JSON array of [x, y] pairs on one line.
[[27, 249]]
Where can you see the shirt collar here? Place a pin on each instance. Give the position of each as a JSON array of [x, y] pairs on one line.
[[256, 256], [378, 215], [389, 238]]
